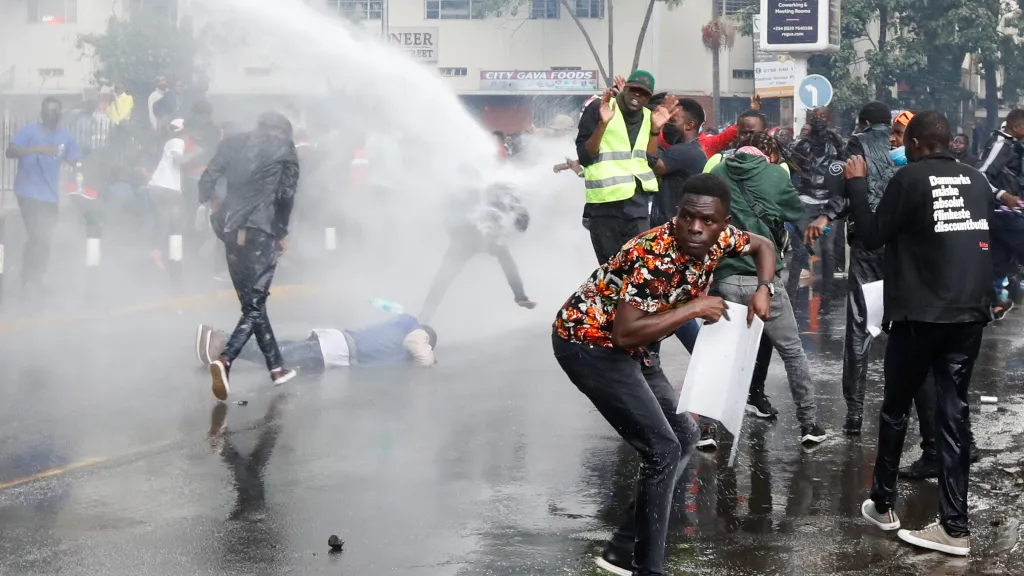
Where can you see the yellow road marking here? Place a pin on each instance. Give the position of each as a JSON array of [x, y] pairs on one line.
[[51, 472]]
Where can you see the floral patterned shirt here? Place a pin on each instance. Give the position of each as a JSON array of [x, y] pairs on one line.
[[651, 274]]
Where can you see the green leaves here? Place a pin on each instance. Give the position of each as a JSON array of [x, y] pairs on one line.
[[136, 51]]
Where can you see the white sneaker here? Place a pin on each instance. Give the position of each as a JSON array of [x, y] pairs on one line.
[[886, 521], [285, 377], [219, 375], [935, 537], [203, 344], [612, 568]]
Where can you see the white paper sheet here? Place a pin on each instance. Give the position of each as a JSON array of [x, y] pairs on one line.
[[718, 376], [873, 303]]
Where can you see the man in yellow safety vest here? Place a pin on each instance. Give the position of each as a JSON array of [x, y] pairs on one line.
[[616, 144]]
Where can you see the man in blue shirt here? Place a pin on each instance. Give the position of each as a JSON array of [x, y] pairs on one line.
[[40, 148]]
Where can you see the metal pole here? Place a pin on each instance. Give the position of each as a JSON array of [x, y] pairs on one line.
[[385, 25]]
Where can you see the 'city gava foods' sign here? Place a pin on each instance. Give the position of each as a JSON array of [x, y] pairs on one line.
[[539, 80]]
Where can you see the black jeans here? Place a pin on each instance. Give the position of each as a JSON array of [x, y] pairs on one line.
[[39, 218], [252, 260], [303, 354], [463, 246], [167, 216], [609, 233], [640, 403], [949, 350], [865, 267]]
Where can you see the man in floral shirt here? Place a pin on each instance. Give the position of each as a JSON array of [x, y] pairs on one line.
[[605, 339]]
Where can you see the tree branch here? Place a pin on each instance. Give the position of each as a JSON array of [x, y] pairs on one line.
[[643, 34], [590, 43]]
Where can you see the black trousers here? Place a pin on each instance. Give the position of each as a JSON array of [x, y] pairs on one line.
[[303, 354], [39, 219], [865, 267], [252, 260], [924, 404], [640, 403], [949, 351], [464, 244], [609, 233]]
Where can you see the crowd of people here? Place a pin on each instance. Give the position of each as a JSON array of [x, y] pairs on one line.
[[684, 222]]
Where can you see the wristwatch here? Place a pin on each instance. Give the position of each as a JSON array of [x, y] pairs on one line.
[[771, 287]]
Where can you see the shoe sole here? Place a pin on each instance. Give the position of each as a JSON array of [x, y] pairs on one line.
[[909, 538], [751, 409], [888, 527], [286, 378], [199, 346], [609, 567], [220, 380], [707, 446], [811, 439]]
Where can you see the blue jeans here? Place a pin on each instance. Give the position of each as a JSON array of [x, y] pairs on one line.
[[687, 334]]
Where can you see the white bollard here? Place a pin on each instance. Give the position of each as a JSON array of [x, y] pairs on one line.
[[174, 250], [330, 239], [92, 252], [1, 259]]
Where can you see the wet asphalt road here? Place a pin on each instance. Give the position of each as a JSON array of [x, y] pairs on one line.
[[490, 463]]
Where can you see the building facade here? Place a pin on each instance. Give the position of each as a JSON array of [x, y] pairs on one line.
[[529, 56]]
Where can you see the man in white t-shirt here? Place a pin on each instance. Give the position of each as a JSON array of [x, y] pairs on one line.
[[400, 340], [165, 196]]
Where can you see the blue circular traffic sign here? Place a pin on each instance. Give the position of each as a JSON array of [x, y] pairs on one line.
[[815, 91]]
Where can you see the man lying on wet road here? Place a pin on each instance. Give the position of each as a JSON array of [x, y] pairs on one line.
[[605, 339], [400, 340], [933, 221]]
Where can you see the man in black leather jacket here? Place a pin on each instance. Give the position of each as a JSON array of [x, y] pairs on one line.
[[262, 173], [814, 155], [872, 142]]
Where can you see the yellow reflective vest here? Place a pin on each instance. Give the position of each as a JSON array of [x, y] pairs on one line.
[[613, 174]]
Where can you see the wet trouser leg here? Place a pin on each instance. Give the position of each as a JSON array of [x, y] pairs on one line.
[[839, 246], [761, 364], [825, 249], [640, 403], [949, 350], [252, 259], [508, 266], [924, 403], [609, 233], [39, 218], [781, 329], [865, 267], [1007, 239], [455, 257], [303, 354]]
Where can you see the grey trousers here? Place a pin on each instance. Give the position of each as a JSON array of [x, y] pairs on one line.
[[784, 335]]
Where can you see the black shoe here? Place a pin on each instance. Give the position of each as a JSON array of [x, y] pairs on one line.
[[707, 442], [813, 434], [921, 469], [761, 407], [615, 561], [853, 425]]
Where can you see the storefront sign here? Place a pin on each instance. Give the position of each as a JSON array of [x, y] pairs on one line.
[[800, 25], [420, 43], [774, 74], [539, 80]]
